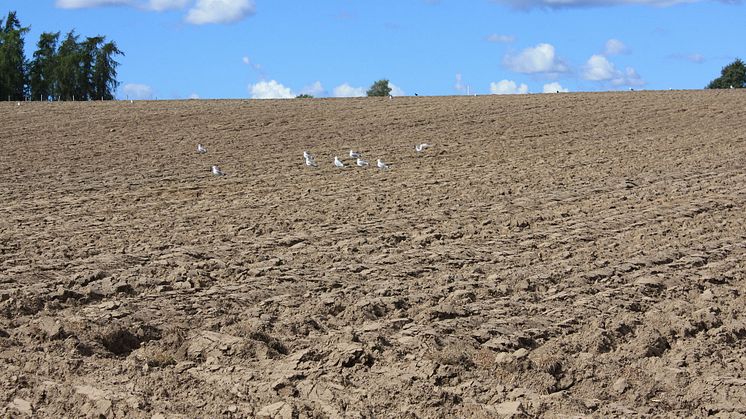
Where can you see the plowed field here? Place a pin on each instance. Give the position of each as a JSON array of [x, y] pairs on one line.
[[550, 255]]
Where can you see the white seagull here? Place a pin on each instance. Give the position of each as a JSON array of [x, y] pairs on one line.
[[421, 147], [381, 165], [337, 162], [201, 149], [217, 172], [355, 154], [309, 159], [361, 162]]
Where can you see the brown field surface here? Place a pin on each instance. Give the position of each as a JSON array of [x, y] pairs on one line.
[[550, 256]]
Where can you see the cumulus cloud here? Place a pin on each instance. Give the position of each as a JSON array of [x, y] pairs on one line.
[[566, 4], [600, 69], [507, 87], [615, 47], [270, 90], [554, 88], [137, 91], [502, 39], [220, 11], [345, 90], [538, 59], [194, 96], [316, 90]]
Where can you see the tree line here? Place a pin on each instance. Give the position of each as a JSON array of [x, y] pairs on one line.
[[73, 69]]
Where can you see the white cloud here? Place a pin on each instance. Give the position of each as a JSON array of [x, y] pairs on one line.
[[566, 4], [83, 4], [202, 12], [194, 96], [507, 87], [270, 90], [345, 90], [554, 88], [220, 11], [628, 78], [395, 90], [137, 91], [503, 39], [539, 59], [246, 60], [615, 47], [160, 5], [316, 90], [598, 68]]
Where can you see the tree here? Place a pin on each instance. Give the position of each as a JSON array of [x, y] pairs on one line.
[[72, 70], [43, 68], [69, 68], [733, 74], [88, 53], [12, 61], [304, 96], [380, 88], [104, 77]]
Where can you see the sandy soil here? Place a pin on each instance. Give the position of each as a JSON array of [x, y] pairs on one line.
[[552, 255]]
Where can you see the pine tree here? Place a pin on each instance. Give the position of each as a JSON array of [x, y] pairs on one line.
[[89, 50], [104, 76], [43, 68], [69, 69], [12, 61]]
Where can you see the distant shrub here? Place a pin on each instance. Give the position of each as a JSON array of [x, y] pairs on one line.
[[380, 88]]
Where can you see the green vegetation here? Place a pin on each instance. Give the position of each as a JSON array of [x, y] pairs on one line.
[[732, 75], [12, 61], [304, 96], [71, 70], [380, 88]]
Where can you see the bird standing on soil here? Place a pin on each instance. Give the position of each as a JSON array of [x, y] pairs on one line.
[[201, 149], [338, 162], [355, 154], [421, 147], [217, 172], [381, 165], [360, 162], [309, 159]]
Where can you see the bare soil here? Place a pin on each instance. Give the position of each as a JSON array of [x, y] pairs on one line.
[[560, 255]]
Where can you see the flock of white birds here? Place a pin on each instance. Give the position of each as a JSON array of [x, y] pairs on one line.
[[311, 160]]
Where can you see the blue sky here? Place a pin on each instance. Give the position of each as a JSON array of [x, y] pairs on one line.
[[178, 49]]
